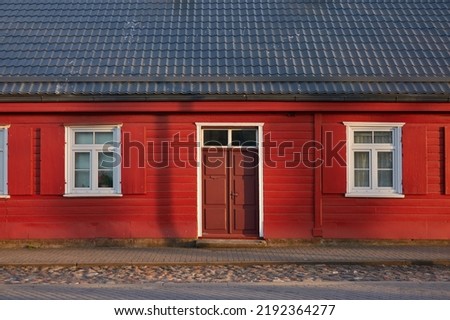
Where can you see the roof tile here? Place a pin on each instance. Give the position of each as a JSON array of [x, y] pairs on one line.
[[284, 42]]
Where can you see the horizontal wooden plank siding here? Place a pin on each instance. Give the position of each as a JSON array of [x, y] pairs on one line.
[[288, 191], [160, 199], [415, 155], [155, 204], [160, 188], [20, 142], [52, 160], [424, 212]]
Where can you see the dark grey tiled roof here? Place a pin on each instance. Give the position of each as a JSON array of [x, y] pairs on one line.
[[294, 48]]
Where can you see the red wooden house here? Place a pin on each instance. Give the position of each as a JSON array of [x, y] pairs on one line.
[[272, 119]]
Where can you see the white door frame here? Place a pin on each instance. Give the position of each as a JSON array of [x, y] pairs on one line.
[[259, 127]]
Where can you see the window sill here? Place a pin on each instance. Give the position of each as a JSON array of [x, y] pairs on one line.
[[5, 196], [375, 195], [92, 195]]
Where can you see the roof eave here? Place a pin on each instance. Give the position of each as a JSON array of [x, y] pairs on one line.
[[231, 97]]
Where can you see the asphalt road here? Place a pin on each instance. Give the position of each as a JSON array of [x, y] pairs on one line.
[[327, 290]]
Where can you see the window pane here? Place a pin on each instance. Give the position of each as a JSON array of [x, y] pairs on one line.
[[362, 172], [82, 160], [2, 175], [83, 137], [362, 178], [105, 179], [2, 138], [361, 160], [385, 160], [82, 179], [82, 170], [383, 136], [245, 138], [363, 136], [385, 178], [105, 160], [215, 137], [103, 137]]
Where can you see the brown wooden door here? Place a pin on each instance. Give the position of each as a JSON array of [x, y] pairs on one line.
[[230, 192]]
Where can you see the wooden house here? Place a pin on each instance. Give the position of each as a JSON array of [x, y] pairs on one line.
[[264, 119]]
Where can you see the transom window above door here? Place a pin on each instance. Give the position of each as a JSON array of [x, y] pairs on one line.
[[242, 137]]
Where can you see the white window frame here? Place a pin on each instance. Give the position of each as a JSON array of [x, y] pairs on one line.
[[373, 191], [4, 164], [93, 149]]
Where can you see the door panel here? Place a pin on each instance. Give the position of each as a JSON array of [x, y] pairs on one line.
[[214, 162], [245, 191], [215, 220], [245, 162], [244, 220], [215, 190]]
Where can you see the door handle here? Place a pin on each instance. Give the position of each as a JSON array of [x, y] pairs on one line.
[[234, 194]]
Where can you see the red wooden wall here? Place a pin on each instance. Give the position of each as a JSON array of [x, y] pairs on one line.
[[162, 203], [288, 185], [156, 202], [424, 213]]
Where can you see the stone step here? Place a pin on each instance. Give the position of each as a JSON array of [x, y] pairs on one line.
[[230, 243]]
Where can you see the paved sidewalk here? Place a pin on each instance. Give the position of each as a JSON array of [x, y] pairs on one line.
[[334, 290], [348, 254]]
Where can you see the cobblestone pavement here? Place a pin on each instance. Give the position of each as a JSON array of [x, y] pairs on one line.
[[285, 273]]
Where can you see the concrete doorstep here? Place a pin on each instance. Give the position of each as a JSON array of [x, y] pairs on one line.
[[230, 243]]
